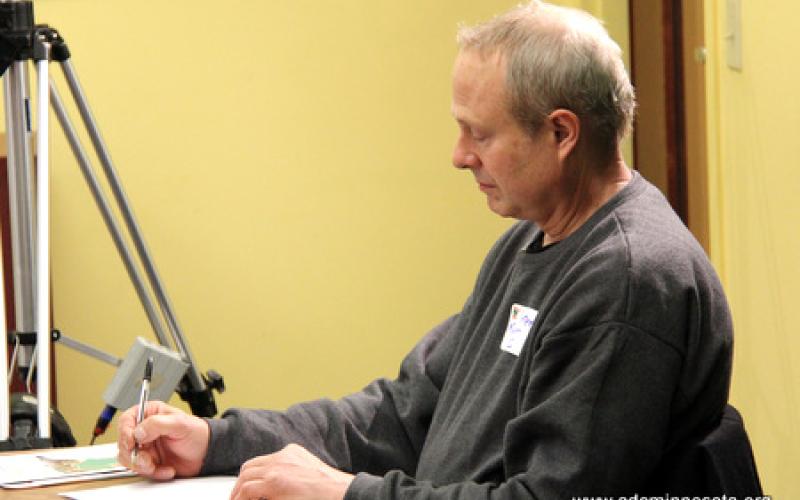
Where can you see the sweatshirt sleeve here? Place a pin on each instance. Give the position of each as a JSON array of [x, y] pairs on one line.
[[380, 428], [592, 421]]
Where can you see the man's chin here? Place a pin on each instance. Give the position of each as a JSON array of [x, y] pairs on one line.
[[500, 208]]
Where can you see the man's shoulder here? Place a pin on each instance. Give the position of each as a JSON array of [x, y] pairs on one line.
[[657, 240], [642, 257], [667, 274]]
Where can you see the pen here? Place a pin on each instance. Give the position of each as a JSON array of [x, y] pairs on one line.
[[148, 374]]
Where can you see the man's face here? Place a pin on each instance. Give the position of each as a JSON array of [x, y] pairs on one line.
[[518, 171]]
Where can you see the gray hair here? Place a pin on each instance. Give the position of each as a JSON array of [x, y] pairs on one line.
[[559, 57]]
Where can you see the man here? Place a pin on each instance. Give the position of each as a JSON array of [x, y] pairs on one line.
[[596, 339]]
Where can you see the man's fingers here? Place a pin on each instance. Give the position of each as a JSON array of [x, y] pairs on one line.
[[291, 453], [125, 440], [163, 473], [128, 417], [250, 489], [156, 426], [293, 472], [145, 461], [146, 465], [252, 483], [124, 458], [126, 424], [259, 461], [250, 471]]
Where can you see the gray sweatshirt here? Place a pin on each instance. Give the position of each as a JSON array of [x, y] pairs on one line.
[[571, 370]]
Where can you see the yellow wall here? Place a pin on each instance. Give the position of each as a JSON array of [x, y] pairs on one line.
[[754, 120]]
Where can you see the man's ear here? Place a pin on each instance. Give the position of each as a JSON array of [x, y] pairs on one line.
[[567, 129]]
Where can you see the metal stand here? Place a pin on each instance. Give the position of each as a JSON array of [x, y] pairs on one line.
[[21, 40]]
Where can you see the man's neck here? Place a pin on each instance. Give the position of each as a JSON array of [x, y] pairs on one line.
[[585, 200]]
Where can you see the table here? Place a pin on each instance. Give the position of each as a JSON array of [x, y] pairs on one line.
[[51, 492]]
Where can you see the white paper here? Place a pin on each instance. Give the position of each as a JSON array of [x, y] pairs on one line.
[[62, 465], [211, 487]]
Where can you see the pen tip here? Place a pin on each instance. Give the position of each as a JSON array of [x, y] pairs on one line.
[[148, 368]]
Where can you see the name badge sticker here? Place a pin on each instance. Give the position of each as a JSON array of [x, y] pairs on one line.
[[519, 326]]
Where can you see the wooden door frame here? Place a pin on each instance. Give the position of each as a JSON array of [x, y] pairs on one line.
[[681, 144]]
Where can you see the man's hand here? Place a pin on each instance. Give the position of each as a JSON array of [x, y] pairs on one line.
[[171, 442], [290, 474]]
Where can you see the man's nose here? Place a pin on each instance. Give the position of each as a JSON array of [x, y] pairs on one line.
[[462, 157]]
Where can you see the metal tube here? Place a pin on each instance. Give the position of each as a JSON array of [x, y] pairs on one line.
[[5, 417], [43, 249], [89, 350], [108, 216], [20, 161], [133, 228]]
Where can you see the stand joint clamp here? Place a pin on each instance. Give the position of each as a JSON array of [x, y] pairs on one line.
[[29, 338], [21, 40], [201, 401], [48, 44]]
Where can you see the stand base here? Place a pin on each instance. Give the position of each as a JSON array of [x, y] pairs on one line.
[[24, 432], [33, 443]]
